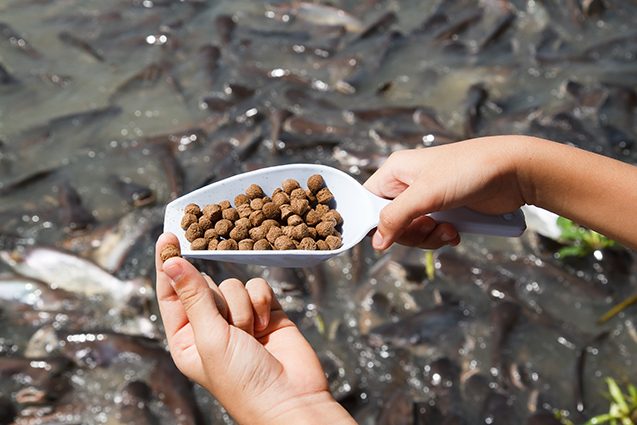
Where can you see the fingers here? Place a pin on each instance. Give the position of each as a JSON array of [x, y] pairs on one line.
[[197, 300], [392, 178], [172, 312], [261, 297], [220, 301], [397, 216], [425, 233], [239, 304]]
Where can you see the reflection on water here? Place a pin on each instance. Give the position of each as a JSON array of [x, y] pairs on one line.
[[108, 110]]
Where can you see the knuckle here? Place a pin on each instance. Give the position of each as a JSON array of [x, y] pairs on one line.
[[189, 295], [387, 219], [229, 283]]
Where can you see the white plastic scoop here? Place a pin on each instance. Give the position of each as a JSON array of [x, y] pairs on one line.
[[359, 208]]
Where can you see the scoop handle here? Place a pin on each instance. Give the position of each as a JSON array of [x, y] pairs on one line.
[[468, 221]]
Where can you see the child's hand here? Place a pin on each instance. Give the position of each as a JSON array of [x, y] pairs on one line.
[[237, 342], [480, 174]]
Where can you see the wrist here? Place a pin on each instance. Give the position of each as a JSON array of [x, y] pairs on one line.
[[310, 409], [525, 150]]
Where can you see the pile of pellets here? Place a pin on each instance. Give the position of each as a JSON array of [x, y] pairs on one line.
[[292, 218]]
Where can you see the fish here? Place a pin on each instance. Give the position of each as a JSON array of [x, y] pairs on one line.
[[135, 406], [134, 193], [74, 41], [477, 95], [318, 14], [73, 274], [224, 26], [19, 290], [16, 40], [72, 213], [45, 374], [101, 349], [5, 77], [503, 317], [580, 369]]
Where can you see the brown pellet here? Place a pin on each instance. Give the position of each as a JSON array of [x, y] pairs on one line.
[[325, 228], [315, 183], [312, 218], [322, 245], [210, 234], [287, 231], [256, 204], [266, 199], [267, 224], [246, 245], [212, 244], [298, 193], [262, 245], [224, 205], [284, 243], [212, 212], [257, 233], [313, 232], [289, 185], [294, 220], [308, 244], [230, 214], [244, 210], [204, 223], [300, 206], [239, 233], [271, 211], [169, 251], [241, 199], [277, 190], [311, 197], [333, 215], [256, 218], [193, 232], [243, 222], [228, 245], [192, 209], [254, 191], [334, 242], [324, 196], [286, 212], [300, 232], [273, 234], [187, 220], [199, 244], [280, 199], [223, 227], [322, 209]]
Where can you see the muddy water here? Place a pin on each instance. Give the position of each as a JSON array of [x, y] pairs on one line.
[[108, 110]]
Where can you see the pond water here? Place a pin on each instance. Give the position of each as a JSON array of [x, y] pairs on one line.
[[110, 109]]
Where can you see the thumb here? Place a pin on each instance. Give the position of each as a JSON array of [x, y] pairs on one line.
[[195, 296], [399, 214]]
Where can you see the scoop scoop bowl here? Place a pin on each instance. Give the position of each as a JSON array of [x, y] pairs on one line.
[[359, 208]]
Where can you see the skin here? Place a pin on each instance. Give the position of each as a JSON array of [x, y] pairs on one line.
[[496, 175], [236, 341]]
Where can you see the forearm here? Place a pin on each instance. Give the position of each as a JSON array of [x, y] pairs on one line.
[[590, 189]]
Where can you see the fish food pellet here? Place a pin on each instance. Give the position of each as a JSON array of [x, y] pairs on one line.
[[289, 185], [192, 209], [212, 245], [256, 204], [241, 199], [223, 227], [239, 233], [284, 243], [246, 245], [204, 223], [334, 242], [295, 217], [199, 244], [212, 212], [230, 214], [270, 210], [254, 191], [324, 196], [298, 193], [300, 206], [312, 218], [315, 183], [256, 218], [169, 251], [193, 232], [187, 220], [280, 199], [273, 234], [308, 244], [262, 245], [227, 244]]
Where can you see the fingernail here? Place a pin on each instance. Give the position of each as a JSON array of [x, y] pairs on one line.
[[377, 240], [446, 237], [173, 269]]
